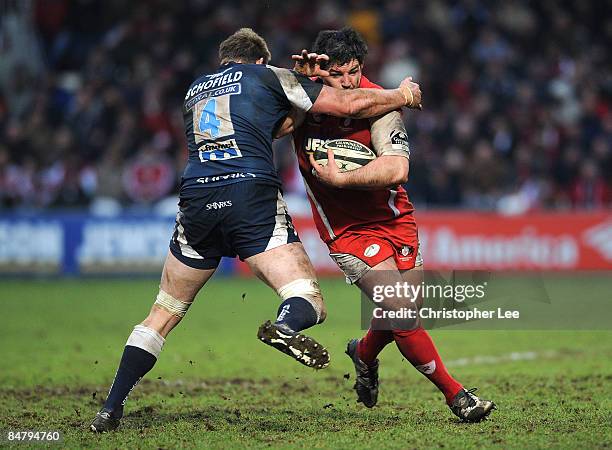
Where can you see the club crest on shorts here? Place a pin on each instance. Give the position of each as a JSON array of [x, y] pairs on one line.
[[406, 250], [372, 250]]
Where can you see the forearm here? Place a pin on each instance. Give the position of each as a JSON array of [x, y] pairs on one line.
[[285, 129], [383, 172], [293, 120], [373, 102], [358, 103]]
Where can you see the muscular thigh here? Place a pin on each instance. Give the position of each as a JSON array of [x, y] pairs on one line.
[[414, 277], [178, 286], [282, 265], [181, 281], [386, 273]]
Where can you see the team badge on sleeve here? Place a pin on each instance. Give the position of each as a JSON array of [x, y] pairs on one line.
[[399, 141]]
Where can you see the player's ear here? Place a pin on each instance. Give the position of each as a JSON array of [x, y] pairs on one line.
[[260, 61]]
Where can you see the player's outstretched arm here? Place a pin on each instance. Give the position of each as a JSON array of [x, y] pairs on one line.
[[362, 103]]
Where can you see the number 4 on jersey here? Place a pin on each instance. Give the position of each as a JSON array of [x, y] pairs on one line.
[[209, 122], [210, 127]]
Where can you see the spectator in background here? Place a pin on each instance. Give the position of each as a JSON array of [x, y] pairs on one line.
[[518, 114], [589, 190], [149, 176]]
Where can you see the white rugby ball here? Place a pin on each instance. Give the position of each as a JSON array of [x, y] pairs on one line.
[[348, 154]]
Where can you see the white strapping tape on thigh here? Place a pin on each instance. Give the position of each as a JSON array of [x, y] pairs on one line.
[[418, 261], [307, 289], [147, 339], [174, 306], [353, 267]]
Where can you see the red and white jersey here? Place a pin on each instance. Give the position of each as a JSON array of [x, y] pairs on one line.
[[337, 210]]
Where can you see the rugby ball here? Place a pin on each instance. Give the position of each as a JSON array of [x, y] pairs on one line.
[[348, 154]]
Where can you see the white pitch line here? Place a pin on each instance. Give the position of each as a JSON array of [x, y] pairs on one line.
[[510, 357]]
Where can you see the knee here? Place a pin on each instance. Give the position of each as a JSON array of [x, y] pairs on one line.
[[405, 314], [166, 313], [171, 305], [322, 312], [309, 290]]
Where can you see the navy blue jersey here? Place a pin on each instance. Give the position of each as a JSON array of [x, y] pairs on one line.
[[231, 117]]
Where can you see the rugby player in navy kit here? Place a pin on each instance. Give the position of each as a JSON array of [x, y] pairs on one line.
[[230, 202]]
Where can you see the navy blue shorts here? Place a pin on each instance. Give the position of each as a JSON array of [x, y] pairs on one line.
[[240, 219]]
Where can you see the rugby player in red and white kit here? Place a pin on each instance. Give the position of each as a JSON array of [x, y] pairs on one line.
[[366, 219]]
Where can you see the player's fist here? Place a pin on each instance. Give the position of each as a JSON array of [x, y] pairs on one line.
[[309, 64], [329, 173], [412, 93]]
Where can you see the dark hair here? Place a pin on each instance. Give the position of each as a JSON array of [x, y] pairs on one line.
[[342, 46], [245, 46]]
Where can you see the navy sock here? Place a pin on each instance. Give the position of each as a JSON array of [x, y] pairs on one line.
[[135, 363], [297, 313]]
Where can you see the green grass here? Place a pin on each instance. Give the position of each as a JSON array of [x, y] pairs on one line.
[[216, 386]]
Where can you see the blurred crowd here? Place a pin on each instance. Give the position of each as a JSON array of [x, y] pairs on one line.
[[517, 95]]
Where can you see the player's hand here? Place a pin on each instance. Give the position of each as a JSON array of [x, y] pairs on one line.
[[328, 174], [412, 93], [309, 64]]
